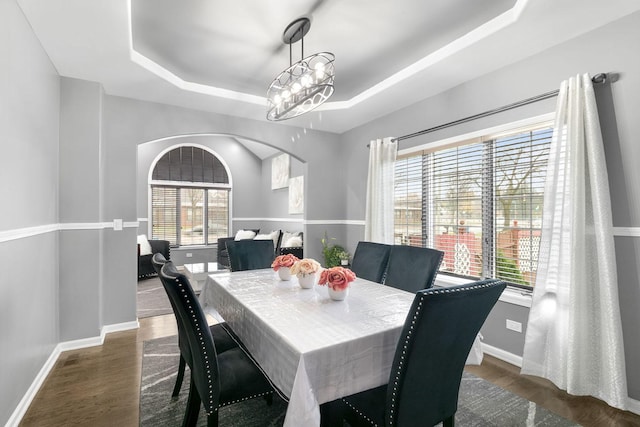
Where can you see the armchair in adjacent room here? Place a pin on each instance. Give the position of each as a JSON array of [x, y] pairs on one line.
[[146, 249]]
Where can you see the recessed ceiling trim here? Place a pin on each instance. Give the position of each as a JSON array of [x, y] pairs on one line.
[[485, 30]]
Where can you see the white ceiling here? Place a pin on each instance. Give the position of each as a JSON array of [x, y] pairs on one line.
[[221, 56]]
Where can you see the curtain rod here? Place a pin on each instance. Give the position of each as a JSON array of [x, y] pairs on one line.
[[600, 78]]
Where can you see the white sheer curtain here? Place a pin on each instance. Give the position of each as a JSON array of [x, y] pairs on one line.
[[574, 335], [379, 205]]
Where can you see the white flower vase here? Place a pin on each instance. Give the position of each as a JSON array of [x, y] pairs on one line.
[[307, 280], [338, 295], [284, 273]]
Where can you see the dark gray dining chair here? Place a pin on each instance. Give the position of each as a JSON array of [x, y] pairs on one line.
[[412, 268], [222, 339], [217, 379], [428, 363], [370, 260], [250, 254]]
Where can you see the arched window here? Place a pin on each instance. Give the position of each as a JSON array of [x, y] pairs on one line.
[[189, 188]]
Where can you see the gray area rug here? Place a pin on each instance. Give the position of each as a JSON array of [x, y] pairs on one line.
[[481, 403], [152, 300]]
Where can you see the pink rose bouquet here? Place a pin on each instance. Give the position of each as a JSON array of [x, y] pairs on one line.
[[305, 266], [337, 278], [287, 260]]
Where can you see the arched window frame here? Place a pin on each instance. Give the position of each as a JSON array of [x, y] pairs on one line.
[[187, 233]]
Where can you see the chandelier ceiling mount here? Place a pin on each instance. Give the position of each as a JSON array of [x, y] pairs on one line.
[[306, 84]]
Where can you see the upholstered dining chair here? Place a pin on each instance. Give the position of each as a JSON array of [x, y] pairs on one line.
[[412, 268], [217, 379], [222, 339], [370, 260], [250, 254], [429, 360]]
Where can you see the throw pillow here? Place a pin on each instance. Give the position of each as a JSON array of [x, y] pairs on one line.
[[145, 246], [244, 235], [292, 241], [286, 236]]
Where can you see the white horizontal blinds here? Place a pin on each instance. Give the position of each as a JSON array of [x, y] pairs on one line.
[[408, 201], [192, 230], [480, 202], [456, 187], [218, 214], [519, 176], [163, 214]]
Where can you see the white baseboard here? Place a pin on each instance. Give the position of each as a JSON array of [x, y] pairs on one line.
[[634, 405], [33, 389], [26, 400], [502, 355]]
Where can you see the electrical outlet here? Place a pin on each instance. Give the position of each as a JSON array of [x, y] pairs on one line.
[[514, 326], [188, 254]]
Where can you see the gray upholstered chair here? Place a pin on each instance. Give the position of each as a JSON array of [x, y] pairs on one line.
[[428, 364], [370, 260], [250, 254], [412, 268]]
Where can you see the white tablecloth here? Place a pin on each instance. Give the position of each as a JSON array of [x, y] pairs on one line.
[[313, 349]]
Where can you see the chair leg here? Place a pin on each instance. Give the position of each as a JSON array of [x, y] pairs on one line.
[[212, 420], [180, 377], [193, 407], [449, 422]]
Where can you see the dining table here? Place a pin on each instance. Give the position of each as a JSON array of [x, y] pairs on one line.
[[312, 348]]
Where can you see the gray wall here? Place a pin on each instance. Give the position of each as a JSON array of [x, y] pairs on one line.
[[29, 106], [80, 250], [611, 49]]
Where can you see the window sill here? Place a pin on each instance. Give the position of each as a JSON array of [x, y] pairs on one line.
[[521, 297]]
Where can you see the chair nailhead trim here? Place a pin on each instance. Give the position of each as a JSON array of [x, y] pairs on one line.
[[360, 413], [202, 343]]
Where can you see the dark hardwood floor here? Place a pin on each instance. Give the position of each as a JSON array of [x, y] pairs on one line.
[[100, 386]]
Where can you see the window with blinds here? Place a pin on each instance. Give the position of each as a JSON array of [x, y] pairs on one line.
[[189, 197], [480, 202]]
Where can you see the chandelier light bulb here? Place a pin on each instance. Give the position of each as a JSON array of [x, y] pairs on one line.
[[319, 67]]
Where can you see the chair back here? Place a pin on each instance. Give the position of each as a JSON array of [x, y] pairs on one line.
[[370, 260], [412, 268], [250, 254], [433, 348], [191, 319], [157, 261]]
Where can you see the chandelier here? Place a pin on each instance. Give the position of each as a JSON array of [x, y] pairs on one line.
[[304, 85]]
